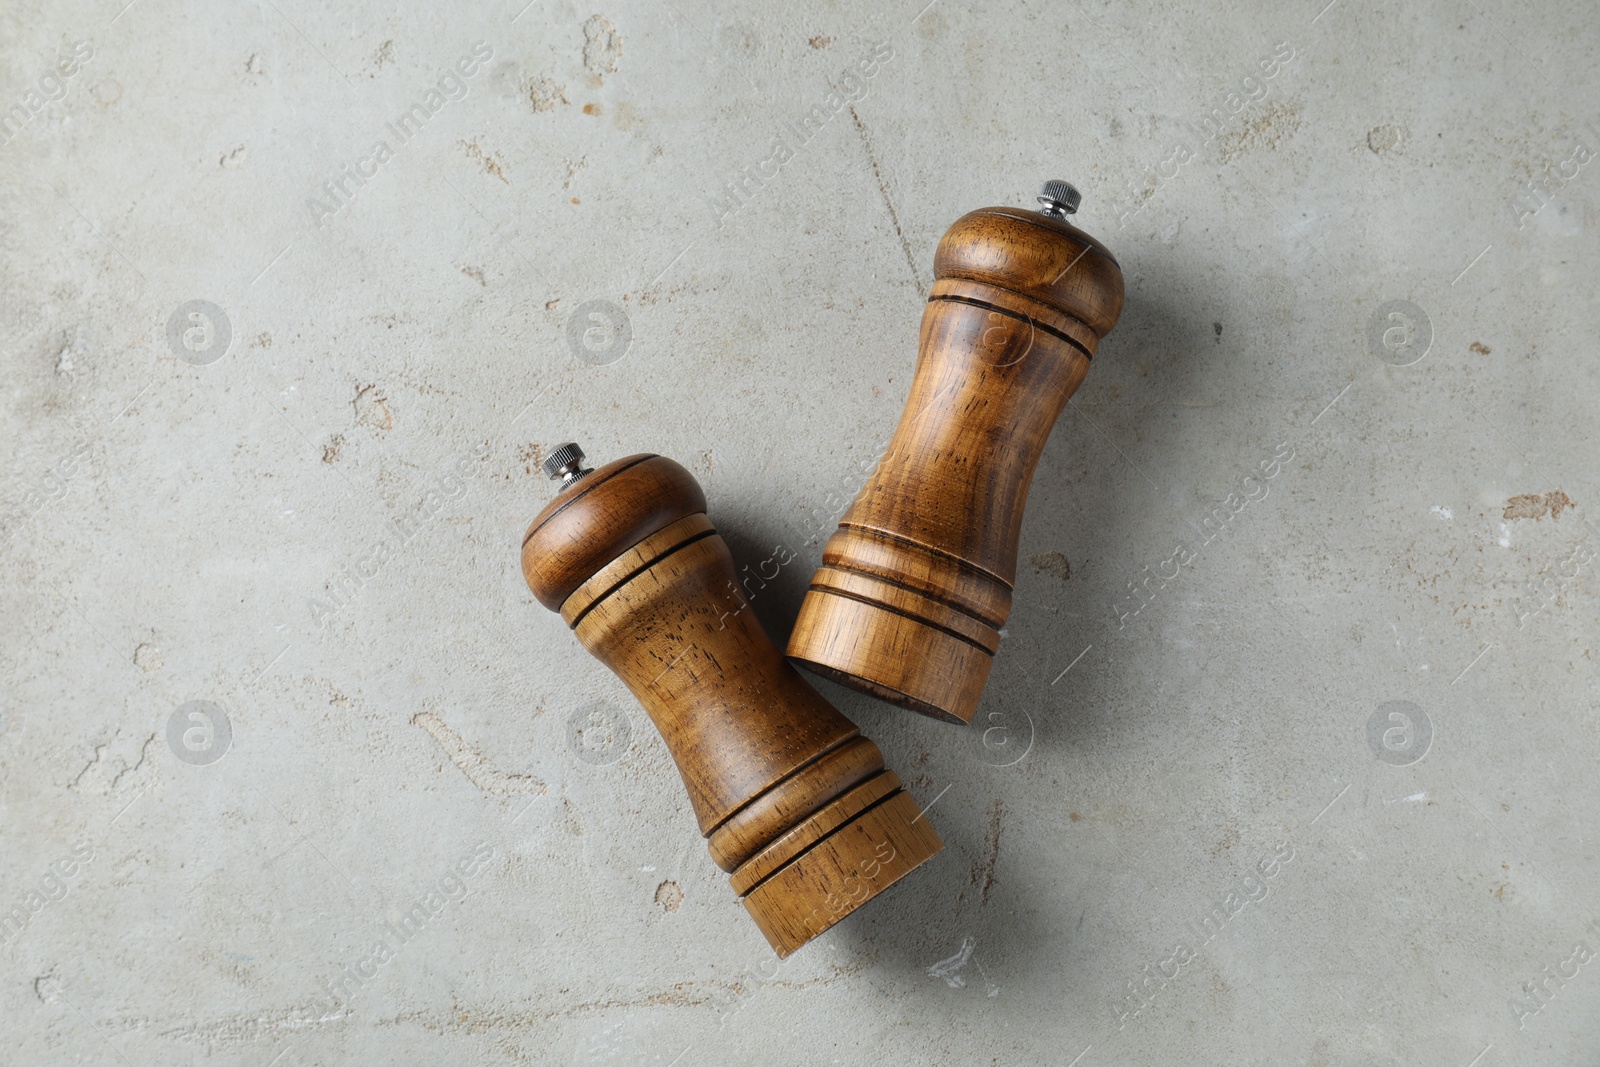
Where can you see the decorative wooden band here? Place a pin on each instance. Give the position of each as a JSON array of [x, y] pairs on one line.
[[641, 556], [820, 824], [903, 600], [842, 871], [893, 657], [922, 569], [789, 801], [1041, 315]]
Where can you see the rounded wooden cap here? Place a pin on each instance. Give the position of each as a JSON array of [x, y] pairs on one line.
[[599, 517], [1037, 255]]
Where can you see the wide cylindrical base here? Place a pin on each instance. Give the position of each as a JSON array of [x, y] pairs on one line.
[[838, 859], [892, 655]]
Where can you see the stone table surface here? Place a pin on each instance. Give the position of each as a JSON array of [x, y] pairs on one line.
[[1289, 753]]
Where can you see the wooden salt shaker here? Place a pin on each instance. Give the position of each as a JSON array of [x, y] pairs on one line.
[[916, 582], [792, 800]]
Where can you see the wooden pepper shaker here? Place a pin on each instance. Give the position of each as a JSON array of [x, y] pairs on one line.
[[793, 801], [916, 582]]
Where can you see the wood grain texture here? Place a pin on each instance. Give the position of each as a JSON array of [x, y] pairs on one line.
[[916, 582], [791, 798]]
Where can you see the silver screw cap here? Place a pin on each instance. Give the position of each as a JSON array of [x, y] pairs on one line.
[[565, 464], [1058, 199]]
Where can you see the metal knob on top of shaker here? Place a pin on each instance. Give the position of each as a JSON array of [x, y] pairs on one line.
[[916, 582], [792, 800]]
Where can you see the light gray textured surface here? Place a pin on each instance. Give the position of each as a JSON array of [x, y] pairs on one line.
[[235, 531]]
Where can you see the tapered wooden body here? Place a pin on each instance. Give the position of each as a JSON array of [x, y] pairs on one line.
[[916, 582], [791, 798]]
